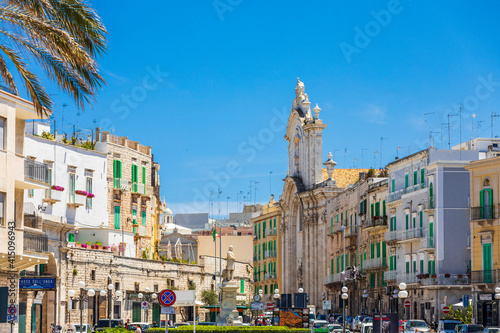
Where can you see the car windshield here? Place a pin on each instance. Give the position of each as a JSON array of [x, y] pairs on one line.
[[105, 323], [321, 323], [417, 324], [474, 328], [450, 326], [77, 328], [493, 330]]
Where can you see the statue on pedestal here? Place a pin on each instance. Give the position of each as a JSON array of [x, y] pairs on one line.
[[229, 316], [231, 258]]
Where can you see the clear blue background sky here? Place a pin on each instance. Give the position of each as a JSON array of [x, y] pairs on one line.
[[230, 65]]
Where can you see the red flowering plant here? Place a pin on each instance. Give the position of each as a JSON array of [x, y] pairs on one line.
[[57, 188], [85, 193]]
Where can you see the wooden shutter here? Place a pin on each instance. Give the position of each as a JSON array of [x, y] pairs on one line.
[[422, 176], [117, 217]]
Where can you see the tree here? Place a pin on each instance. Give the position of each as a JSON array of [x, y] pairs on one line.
[[63, 36], [209, 297]]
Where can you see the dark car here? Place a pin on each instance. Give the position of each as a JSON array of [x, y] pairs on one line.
[[103, 324], [472, 328], [206, 323]]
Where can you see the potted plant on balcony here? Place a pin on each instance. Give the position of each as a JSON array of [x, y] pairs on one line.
[[460, 276], [57, 188], [433, 276], [447, 275]]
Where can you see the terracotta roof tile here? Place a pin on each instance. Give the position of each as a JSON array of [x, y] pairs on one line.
[[344, 177]]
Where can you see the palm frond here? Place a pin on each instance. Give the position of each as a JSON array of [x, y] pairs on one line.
[[7, 75]]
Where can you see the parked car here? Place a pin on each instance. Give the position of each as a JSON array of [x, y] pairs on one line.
[[447, 326], [103, 324], [207, 323], [492, 330], [333, 327], [468, 328], [142, 325], [416, 325], [86, 328], [458, 327], [365, 327], [357, 322], [319, 323]]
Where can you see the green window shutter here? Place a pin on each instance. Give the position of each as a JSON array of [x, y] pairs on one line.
[[384, 253], [421, 266], [274, 246], [414, 266], [406, 181], [414, 222], [378, 249], [342, 217], [415, 178], [342, 263], [407, 221], [242, 286], [429, 267], [259, 255], [422, 176], [120, 169], [407, 267], [433, 267], [372, 210], [331, 266], [144, 175], [255, 229], [331, 225], [372, 250], [117, 217], [361, 261], [393, 185], [71, 238], [364, 258], [337, 218], [421, 220], [384, 209], [338, 264], [377, 208], [264, 229], [144, 218]]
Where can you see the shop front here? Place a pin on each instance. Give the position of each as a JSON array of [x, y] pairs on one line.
[[487, 310]]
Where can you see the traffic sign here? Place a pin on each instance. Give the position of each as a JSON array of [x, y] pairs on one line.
[[446, 309], [12, 309], [144, 305], [167, 310], [12, 318], [167, 297], [327, 305], [270, 306], [407, 304], [257, 306]]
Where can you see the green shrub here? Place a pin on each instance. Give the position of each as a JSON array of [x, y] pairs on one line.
[[118, 330], [230, 329]]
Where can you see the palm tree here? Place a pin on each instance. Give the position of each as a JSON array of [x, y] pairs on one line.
[[63, 36]]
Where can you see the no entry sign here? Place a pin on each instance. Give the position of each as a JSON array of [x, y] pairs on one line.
[[407, 304], [167, 297], [446, 309]]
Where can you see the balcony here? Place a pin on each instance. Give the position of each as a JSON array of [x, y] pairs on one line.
[[484, 213], [270, 254], [427, 243], [411, 234], [351, 231], [390, 276], [35, 243], [77, 200], [270, 276], [443, 279], [414, 188], [332, 278], [394, 196], [32, 221], [410, 278], [376, 223], [485, 277], [271, 232], [36, 172], [337, 227], [52, 196], [374, 263], [392, 236], [121, 184]]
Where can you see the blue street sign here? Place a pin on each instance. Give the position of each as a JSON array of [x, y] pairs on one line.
[[36, 283], [465, 301]]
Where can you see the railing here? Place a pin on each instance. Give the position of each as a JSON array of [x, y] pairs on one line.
[[426, 241], [35, 243], [270, 276], [271, 232], [443, 279], [77, 199], [270, 254], [336, 228], [488, 276], [376, 222], [393, 196], [32, 221], [53, 195], [390, 276], [484, 212], [411, 234], [332, 278], [121, 184], [141, 189], [374, 263], [408, 278], [36, 171], [414, 188], [351, 231], [391, 236]]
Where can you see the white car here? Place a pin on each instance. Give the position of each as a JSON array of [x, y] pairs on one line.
[[365, 326], [414, 325]]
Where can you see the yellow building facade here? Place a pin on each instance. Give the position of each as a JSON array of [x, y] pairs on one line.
[[267, 251], [485, 233]]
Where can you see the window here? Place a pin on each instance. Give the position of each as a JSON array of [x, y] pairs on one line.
[[92, 275], [143, 218], [378, 249], [71, 238], [117, 217], [415, 178], [2, 209], [89, 190], [264, 229], [134, 178], [2, 133], [30, 193], [422, 176], [242, 286], [117, 173], [117, 286], [136, 286], [143, 180], [72, 178], [406, 181], [393, 183]]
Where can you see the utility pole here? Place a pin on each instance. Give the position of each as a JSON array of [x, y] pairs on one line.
[[449, 126], [425, 117], [493, 115], [362, 162]]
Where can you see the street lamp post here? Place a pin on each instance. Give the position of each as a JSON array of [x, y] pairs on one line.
[[118, 293], [403, 294], [149, 298], [344, 298], [276, 297], [81, 297], [365, 297]]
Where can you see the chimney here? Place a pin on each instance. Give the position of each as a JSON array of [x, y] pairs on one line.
[[362, 175], [97, 134]]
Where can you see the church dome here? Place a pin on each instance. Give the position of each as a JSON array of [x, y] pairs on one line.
[[167, 211]]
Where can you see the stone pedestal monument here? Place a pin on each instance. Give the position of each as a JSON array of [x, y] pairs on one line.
[[229, 316]]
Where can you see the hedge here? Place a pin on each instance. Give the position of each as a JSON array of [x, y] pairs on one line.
[[230, 329]]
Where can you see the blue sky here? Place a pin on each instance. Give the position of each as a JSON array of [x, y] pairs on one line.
[[224, 72]]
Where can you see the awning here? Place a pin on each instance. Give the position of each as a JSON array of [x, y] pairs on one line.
[[458, 305], [22, 262]]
